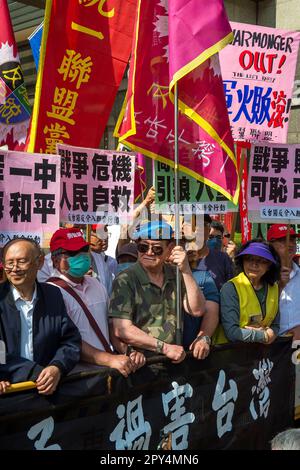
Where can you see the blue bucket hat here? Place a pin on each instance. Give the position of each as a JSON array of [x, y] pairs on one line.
[[157, 230]]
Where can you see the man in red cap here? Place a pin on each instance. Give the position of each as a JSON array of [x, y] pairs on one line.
[[86, 301], [289, 303]]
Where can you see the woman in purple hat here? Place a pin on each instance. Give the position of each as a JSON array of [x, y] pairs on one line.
[[249, 301]]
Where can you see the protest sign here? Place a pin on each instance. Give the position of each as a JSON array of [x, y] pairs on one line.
[[97, 186]]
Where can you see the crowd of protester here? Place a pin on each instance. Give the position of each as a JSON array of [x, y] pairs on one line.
[[76, 303]]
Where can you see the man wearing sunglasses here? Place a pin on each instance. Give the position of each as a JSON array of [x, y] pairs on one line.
[[86, 301], [142, 304]]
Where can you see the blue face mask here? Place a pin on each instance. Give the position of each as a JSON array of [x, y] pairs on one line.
[[214, 243], [121, 267], [79, 264]]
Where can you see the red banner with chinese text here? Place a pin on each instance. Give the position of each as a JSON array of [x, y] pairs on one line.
[[15, 109], [146, 123], [85, 49], [246, 226]]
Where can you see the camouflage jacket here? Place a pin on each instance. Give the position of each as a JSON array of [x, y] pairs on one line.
[[149, 307]]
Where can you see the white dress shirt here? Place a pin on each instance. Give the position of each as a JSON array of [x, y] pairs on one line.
[[95, 297], [289, 302], [25, 307]]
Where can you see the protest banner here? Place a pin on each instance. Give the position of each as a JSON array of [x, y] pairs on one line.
[[195, 196], [258, 70], [231, 400], [84, 53], [97, 186], [274, 183], [29, 196]]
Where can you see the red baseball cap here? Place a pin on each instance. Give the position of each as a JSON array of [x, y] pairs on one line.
[[70, 239], [277, 231]]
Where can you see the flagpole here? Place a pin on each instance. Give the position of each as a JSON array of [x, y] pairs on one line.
[[177, 221]]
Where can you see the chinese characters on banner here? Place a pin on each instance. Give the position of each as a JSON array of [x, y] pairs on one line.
[[97, 186], [258, 71], [84, 53], [146, 123], [274, 183], [194, 196], [14, 105], [29, 196]]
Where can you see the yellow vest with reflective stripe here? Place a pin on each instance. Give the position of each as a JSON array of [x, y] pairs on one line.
[[250, 306]]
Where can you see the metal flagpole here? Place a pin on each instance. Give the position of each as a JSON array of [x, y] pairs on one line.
[[177, 221]]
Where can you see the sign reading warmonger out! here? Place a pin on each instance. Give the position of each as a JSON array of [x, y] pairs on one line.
[[29, 196], [274, 183], [97, 186], [258, 71]]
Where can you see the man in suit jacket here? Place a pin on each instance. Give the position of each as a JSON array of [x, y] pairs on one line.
[[42, 342]]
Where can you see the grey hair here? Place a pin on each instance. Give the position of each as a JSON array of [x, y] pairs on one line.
[[34, 244], [286, 440]]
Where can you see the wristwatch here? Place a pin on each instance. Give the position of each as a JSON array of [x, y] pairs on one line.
[[159, 346], [206, 338]]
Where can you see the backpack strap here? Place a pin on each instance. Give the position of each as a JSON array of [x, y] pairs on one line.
[[64, 285]]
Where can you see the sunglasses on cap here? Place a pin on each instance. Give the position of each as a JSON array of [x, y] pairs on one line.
[[144, 248]]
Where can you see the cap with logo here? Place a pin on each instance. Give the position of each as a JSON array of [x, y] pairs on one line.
[[70, 239], [277, 231]]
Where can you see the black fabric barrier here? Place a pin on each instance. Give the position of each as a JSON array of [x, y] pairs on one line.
[[237, 398]]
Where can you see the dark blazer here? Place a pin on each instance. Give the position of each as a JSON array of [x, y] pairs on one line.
[[56, 340]]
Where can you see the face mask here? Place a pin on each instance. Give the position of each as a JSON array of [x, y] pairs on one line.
[[121, 267], [79, 264], [214, 243]]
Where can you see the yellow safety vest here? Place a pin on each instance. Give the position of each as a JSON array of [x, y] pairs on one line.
[[250, 306]]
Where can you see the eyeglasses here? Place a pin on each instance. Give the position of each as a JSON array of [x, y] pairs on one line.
[[144, 247], [255, 259], [21, 264]]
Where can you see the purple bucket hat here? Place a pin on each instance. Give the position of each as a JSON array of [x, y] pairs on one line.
[[258, 249]]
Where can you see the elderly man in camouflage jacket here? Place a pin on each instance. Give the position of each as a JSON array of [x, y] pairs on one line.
[[142, 304]]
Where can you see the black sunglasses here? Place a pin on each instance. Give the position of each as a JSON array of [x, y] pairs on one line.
[[144, 247]]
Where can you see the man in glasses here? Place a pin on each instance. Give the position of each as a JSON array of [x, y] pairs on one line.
[[42, 343], [86, 301], [289, 302], [142, 304]]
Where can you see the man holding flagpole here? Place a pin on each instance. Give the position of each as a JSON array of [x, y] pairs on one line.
[[142, 305]]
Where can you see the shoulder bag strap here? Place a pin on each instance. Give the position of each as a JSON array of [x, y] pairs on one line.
[[64, 285]]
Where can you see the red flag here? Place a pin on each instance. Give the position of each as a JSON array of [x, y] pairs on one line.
[[178, 41], [14, 104], [84, 53], [246, 226]]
